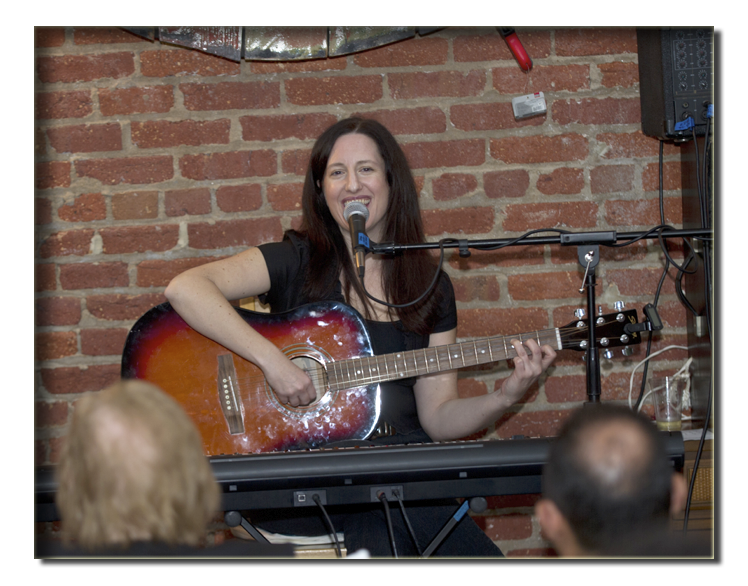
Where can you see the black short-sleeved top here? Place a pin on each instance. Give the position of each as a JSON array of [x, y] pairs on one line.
[[288, 263]]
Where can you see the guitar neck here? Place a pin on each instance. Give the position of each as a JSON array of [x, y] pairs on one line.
[[366, 370]]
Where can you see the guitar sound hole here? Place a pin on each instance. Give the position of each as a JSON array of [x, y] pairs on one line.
[[316, 371]]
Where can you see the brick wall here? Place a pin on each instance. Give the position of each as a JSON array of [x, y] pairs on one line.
[[151, 159]]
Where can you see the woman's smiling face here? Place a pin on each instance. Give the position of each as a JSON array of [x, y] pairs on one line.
[[356, 172]]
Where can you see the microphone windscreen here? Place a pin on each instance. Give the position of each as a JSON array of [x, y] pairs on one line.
[[355, 207]]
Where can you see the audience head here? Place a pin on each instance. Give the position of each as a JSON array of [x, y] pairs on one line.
[[608, 480], [132, 469]]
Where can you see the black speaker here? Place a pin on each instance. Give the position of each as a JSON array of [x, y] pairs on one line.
[[676, 81]]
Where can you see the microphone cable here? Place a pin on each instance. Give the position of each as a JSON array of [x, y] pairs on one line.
[[383, 498]]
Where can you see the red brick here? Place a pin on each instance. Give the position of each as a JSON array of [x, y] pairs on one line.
[[130, 170], [453, 185], [597, 111], [426, 120], [182, 202], [87, 207], [86, 138], [51, 414], [671, 177], [45, 278], [231, 95], [536, 286], [104, 35], [163, 134], [79, 68], [566, 389], [499, 184], [545, 78], [458, 221], [643, 212], [57, 311], [469, 387], [450, 153], [612, 178], [578, 42], [74, 379], [233, 165], [95, 275], [42, 211], [478, 323], [505, 527], [52, 174], [539, 149], [531, 423], [562, 181], [234, 233], [640, 281], [74, 104], [281, 126], [295, 161], [493, 47], [437, 84], [53, 345], [673, 314], [72, 242], [285, 197], [45, 36], [136, 100], [312, 65], [565, 215], [122, 240], [491, 116], [482, 288], [103, 341], [158, 273], [239, 198], [316, 91], [178, 62], [40, 142], [120, 307], [619, 74], [135, 205], [633, 144], [408, 53]]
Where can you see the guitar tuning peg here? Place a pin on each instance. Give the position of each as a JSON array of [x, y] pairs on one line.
[[619, 305], [579, 313], [627, 351], [608, 354]]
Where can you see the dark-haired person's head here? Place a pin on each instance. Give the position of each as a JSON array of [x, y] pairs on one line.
[[607, 484]]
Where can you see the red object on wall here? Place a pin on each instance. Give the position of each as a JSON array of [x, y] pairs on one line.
[[515, 46]]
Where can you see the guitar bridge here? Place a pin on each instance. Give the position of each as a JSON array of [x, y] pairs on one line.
[[228, 394]]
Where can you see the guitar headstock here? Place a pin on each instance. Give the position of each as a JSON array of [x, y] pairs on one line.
[[609, 332]]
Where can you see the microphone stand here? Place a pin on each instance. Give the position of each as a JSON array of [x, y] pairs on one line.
[[588, 254]]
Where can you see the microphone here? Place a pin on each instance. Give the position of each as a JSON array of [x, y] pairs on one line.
[[356, 214]]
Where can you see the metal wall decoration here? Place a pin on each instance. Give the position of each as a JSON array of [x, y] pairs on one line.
[[280, 43], [224, 41], [284, 43]]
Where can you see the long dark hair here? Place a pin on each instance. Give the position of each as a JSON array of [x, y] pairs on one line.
[[405, 277]]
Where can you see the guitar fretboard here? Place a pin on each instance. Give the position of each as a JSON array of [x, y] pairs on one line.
[[366, 370]]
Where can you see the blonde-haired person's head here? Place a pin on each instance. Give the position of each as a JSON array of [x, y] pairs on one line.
[[132, 469]]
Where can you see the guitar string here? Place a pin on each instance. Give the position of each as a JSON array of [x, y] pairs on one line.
[[319, 375]]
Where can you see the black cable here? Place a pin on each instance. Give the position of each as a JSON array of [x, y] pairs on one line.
[[383, 498], [396, 493], [330, 526]]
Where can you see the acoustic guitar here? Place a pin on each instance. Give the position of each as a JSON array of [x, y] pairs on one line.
[[237, 412]]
